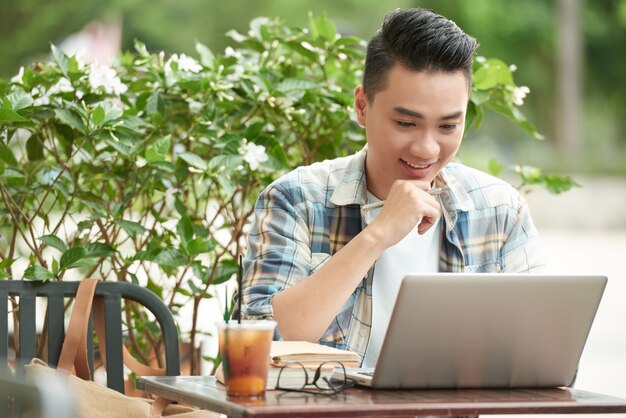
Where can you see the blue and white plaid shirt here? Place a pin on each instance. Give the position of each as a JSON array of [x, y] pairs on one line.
[[306, 216]]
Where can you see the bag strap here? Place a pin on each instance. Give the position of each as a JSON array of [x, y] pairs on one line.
[[135, 366], [73, 355], [160, 403], [74, 350]]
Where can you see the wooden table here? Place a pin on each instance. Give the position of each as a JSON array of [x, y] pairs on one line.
[[204, 392]]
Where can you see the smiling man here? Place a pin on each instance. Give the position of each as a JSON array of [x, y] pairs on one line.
[[327, 269]]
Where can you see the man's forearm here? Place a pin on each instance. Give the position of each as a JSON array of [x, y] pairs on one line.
[[305, 311]]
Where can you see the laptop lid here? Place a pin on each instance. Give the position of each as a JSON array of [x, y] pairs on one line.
[[487, 330]]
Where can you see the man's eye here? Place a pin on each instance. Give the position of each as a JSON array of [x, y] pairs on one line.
[[448, 127], [405, 124]]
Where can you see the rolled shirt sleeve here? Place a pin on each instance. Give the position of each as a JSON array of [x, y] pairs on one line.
[[278, 253]]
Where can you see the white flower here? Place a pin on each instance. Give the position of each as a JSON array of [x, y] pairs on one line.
[[512, 68], [185, 63], [40, 99], [189, 64], [62, 86], [105, 78], [18, 77], [230, 52], [308, 46], [141, 162], [178, 149], [194, 106], [254, 155], [519, 93]]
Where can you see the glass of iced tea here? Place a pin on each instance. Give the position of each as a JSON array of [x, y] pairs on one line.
[[245, 350]]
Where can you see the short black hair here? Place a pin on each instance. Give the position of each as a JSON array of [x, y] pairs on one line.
[[419, 39]]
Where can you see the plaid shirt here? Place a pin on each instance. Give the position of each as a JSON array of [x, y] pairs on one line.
[[306, 216]]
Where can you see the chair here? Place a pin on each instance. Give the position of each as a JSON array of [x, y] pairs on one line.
[[55, 292]]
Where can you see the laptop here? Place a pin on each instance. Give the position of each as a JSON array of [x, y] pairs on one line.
[[455, 330]]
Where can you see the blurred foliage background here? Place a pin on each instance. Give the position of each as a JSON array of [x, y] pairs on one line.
[[521, 33]]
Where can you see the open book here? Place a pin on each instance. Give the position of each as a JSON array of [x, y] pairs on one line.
[[310, 355]]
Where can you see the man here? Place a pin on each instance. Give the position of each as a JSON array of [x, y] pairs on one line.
[[329, 271]]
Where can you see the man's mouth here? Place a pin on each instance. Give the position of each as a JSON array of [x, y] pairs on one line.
[[416, 166]]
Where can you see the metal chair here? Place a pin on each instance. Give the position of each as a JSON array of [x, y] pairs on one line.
[[55, 292]]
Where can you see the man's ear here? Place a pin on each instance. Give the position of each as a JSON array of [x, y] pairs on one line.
[[360, 104]]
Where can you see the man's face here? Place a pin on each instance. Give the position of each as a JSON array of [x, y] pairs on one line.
[[414, 126]]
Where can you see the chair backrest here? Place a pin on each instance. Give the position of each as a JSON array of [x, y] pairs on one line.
[[55, 292]]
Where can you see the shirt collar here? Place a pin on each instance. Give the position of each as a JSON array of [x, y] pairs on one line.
[[351, 189]]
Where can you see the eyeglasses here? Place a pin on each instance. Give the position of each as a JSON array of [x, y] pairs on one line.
[[329, 378]]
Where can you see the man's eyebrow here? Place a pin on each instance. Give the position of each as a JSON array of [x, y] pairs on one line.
[[418, 115]]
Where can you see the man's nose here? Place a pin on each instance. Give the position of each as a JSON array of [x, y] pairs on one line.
[[425, 146]]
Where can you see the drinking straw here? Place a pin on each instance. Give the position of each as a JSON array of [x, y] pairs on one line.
[[239, 280], [226, 308]]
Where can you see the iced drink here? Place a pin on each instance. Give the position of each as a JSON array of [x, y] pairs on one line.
[[245, 351]]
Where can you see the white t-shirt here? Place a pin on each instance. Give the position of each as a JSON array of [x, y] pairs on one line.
[[413, 254]]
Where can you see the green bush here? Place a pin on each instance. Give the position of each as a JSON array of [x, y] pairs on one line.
[[148, 172]]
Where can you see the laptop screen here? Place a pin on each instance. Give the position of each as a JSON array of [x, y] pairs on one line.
[[487, 330]]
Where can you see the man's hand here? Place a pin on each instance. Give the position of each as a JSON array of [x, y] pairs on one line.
[[406, 206]]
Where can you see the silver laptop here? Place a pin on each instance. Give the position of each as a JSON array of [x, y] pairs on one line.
[[485, 331]]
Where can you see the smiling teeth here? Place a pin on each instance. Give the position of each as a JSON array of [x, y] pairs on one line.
[[415, 165]]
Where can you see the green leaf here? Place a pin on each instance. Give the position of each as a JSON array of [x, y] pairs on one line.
[[71, 256], [491, 73], [148, 255], [556, 183], [132, 228], [155, 288], [154, 103], [38, 273], [170, 257], [133, 278], [226, 269], [7, 262], [514, 114], [229, 162], [97, 117], [7, 115], [298, 48], [54, 242], [200, 245], [194, 160], [34, 148], [111, 111], [278, 159], [206, 55], [61, 59], [72, 66], [7, 155], [19, 100], [157, 151], [70, 118], [184, 229], [297, 84], [494, 167], [349, 41], [322, 27], [140, 47], [196, 291], [99, 249]]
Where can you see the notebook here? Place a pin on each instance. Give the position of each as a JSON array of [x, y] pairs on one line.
[[455, 330]]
